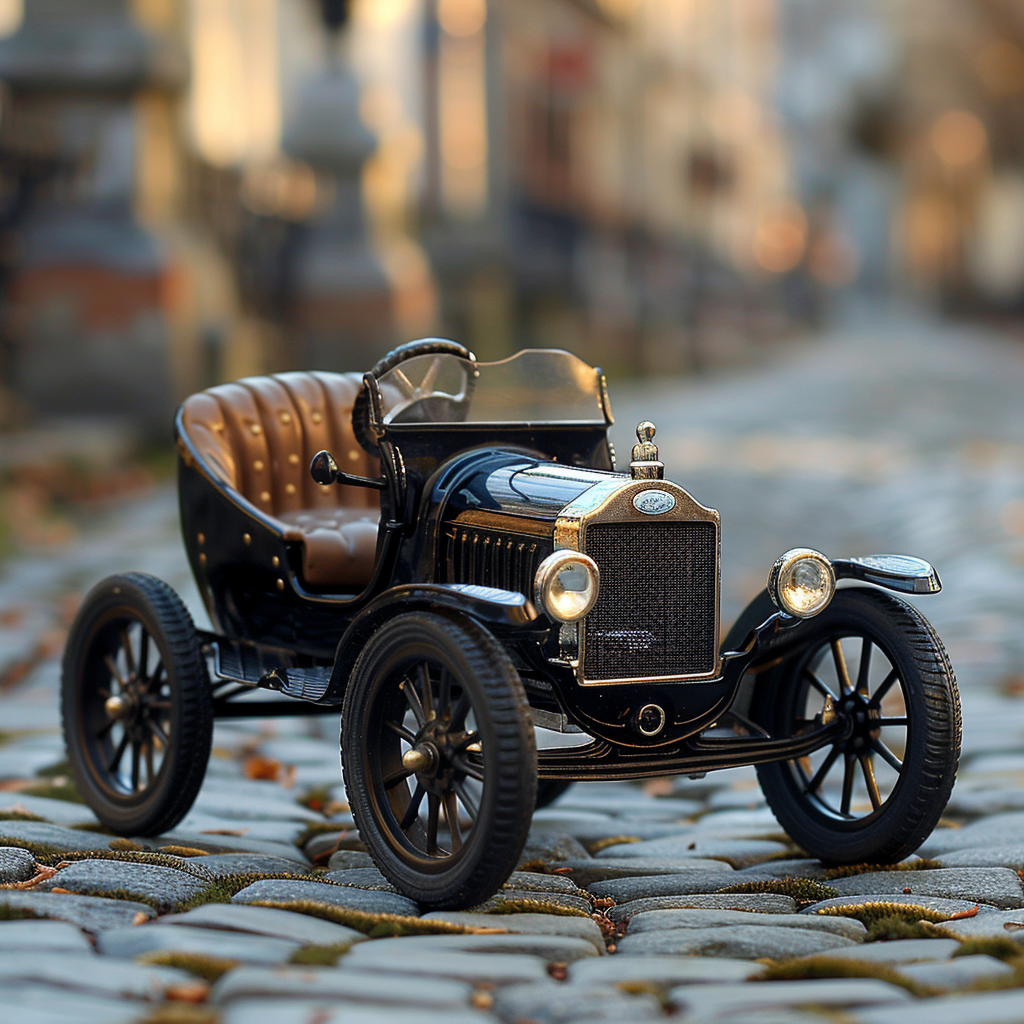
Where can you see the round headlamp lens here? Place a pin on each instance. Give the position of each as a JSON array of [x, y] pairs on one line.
[[802, 583], [566, 585]]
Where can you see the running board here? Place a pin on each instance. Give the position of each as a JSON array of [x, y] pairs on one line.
[[256, 666]]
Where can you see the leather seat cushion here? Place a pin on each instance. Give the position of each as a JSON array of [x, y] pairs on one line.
[[338, 544]]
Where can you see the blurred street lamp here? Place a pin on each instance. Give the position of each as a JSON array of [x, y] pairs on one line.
[[340, 301]]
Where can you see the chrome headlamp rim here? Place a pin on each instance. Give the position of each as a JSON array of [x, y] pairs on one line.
[[782, 573], [547, 574]]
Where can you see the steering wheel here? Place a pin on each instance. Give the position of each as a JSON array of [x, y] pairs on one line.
[[437, 347]]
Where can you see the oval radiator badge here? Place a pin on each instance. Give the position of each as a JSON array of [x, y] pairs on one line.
[[653, 502]]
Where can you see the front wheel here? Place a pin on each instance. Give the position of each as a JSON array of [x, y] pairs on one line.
[[136, 705], [874, 665], [439, 758]]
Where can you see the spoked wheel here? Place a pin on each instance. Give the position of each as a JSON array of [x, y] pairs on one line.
[[439, 758], [137, 712], [875, 667]]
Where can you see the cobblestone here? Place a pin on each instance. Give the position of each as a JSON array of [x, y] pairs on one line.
[[848, 471]]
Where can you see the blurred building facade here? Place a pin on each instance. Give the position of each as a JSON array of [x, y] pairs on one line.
[[248, 185]]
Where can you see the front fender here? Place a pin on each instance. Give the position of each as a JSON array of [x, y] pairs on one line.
[[503, 610]]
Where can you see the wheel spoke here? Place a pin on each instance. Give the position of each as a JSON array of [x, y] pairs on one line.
[[105, 728], [136, 766], [865, 666], [887, 755], [823, 770], [468, 801], [143, 653], [150, 772], [403, 382], [118, 754], [412, 698], [893, 721], [869, 780], [813, 679], [451, 812], [841, 670], [460, 711], [468, 769], [433, 807], [129, 657], [844, 807], [879, 696], [470, 737], [158, 731], [398, 775], [115, 672], [154, 679], [444, 693], [427, 384], [402, 731], [413, 810], [428, 693]]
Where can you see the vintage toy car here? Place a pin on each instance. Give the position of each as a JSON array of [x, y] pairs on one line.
[[444, 550]]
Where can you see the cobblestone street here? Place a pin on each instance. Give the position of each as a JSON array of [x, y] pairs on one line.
[[679, 897]]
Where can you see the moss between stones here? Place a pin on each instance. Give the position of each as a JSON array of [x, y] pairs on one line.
[[200, 964], [183, 851], [998, 946], [137, 856], [8, 913], [59, 789], [803, 890], [848, 870], [38, 850], [498, 905], [320, 956], [835, 967], [893, 926], [376, 926], [876, 910], [19, 816], [598, 845]]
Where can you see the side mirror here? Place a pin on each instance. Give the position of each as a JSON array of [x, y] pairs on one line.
[[323, 469]]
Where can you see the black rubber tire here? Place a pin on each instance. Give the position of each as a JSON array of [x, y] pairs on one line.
[[549, 790], [117, 603], [916, 801], [411, 349], [479, 665]]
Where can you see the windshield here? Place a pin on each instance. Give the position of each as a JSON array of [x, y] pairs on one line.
[[533, 386]]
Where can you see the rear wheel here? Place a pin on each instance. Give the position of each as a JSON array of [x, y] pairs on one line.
[[136, 705], [875, 665], [439, 758]]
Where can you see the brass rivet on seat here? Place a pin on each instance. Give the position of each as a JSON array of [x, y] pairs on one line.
[[280, 584], [258, 465], [316, 417], [247, 537], [289, 488], [293, 459], [201, 538], [202, 558], [353, 456], [264, 495], [256, 428], [275, 561], [286, 417]]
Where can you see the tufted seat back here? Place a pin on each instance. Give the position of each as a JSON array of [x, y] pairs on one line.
[[258, 436]]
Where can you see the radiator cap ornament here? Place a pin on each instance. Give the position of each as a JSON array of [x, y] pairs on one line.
[[644, 464]]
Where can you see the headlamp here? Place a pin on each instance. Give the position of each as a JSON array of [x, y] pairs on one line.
[[566, 585], [802, 582]]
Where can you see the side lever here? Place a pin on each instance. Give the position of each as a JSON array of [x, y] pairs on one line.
[[325, 470]]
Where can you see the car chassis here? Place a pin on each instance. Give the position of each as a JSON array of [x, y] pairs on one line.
[[479, 520]]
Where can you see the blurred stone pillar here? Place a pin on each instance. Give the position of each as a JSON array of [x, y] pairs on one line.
[[340, 302], [89, 285]]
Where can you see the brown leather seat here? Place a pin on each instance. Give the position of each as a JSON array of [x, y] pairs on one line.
[[258, 436]]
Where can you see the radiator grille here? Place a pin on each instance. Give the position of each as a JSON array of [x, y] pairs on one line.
[[490, 560], [657, 607]]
